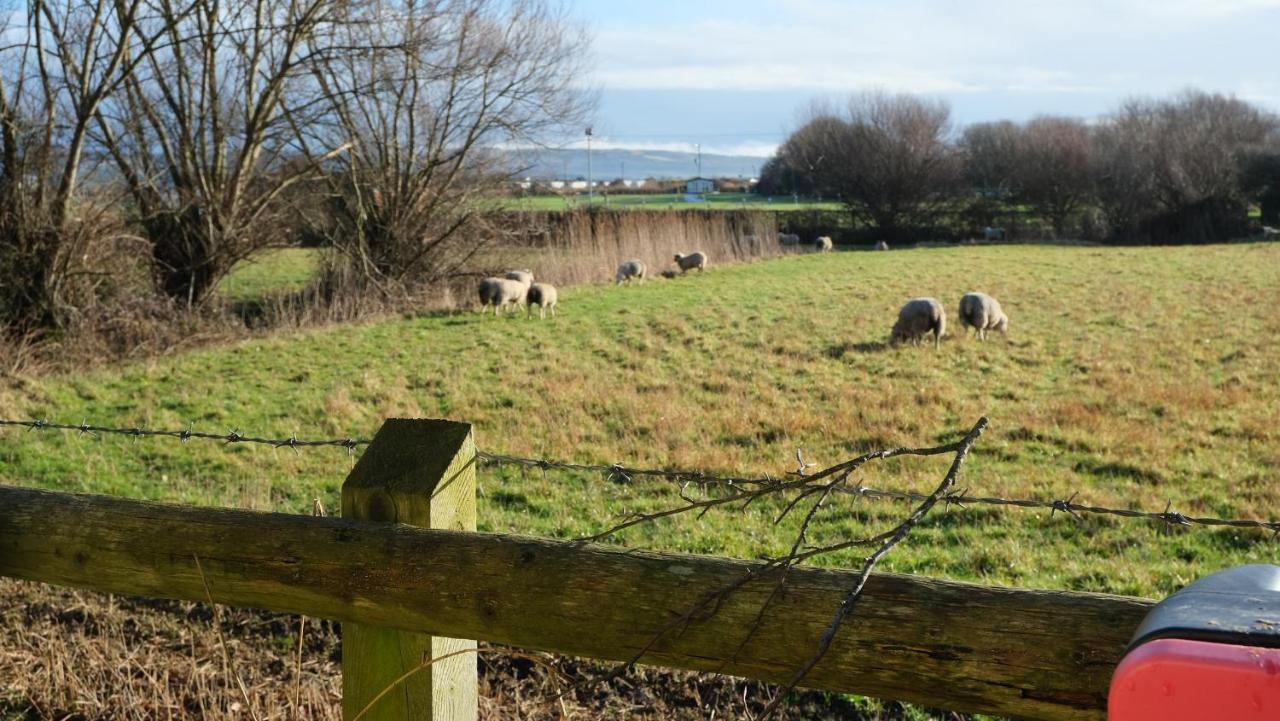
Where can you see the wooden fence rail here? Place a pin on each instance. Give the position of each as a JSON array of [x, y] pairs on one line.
[[1013, 652]]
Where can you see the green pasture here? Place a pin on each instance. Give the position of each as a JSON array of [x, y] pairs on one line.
[[1133, 377]]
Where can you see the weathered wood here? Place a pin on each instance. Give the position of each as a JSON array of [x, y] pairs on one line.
[[419, 473], [1036, 654]]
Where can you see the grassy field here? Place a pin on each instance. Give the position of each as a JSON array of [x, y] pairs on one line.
[[667, 201], [271, 271], [1135, 377]]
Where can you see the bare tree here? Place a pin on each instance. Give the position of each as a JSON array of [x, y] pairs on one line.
[[1054, 168], [438, 86], [888, 158], [58, 68], [201, 130], [990, 153], [1169, 171]]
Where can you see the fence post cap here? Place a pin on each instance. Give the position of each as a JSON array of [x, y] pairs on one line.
[[405, 451]]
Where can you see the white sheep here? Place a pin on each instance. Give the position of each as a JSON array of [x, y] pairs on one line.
[[696, 259], [916, 319], [545, 296], [989, 233], [524, 276], [1269, 233], [629, 270], [982, 313], [881, 245], [788, 239], [823, 244], [500, 293], [521, 276]]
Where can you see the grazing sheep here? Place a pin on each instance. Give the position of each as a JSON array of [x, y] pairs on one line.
[[521, 276], [989, 233], [916, 319], [696, 259], [982, 312], [788, 239], [500, 293], [823, 244], [630, 269], [544, 294], [881, 245], [524, 276]]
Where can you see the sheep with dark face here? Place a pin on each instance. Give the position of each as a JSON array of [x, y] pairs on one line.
[[545, 296], [823, 244], [500, 293], [633, 269], [696, 259], [982, 313], [918, 318]]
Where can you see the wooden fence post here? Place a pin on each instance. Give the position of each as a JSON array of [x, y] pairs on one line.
[[421, 473]]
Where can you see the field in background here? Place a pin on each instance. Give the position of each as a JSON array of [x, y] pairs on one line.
[[669, 201], [278, 270], [1134, 377]]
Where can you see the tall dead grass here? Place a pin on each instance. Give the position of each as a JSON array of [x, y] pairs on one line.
[[585, 246]]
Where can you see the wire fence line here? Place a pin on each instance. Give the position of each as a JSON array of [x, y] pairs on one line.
[[232, 436], [1069, 506], [618, 472]]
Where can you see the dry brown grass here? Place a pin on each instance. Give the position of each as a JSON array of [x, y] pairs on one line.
[[576, 247], [71, 655]]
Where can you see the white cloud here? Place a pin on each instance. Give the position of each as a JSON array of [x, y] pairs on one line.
[[752, 148], [779, 76], [746, 148], [1113, 47]]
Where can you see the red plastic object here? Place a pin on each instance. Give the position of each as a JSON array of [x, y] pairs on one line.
[[1175, 679]]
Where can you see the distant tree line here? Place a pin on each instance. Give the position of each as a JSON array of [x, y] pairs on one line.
[[1183, 169], [147, 146]]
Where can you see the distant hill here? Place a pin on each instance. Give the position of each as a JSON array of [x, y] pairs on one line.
[[611, 164]]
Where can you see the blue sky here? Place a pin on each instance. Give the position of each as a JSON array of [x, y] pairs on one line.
[[733, 76]]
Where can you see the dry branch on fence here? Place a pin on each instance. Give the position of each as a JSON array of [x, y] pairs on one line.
[[817, 489]]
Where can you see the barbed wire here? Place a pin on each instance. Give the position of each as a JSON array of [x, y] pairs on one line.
[[232, 436], [961, 498], [622, 473]]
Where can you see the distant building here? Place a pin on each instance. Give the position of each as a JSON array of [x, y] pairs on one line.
[[698, 186]]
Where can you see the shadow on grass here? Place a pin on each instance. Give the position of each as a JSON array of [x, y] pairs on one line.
[[840, 350]]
